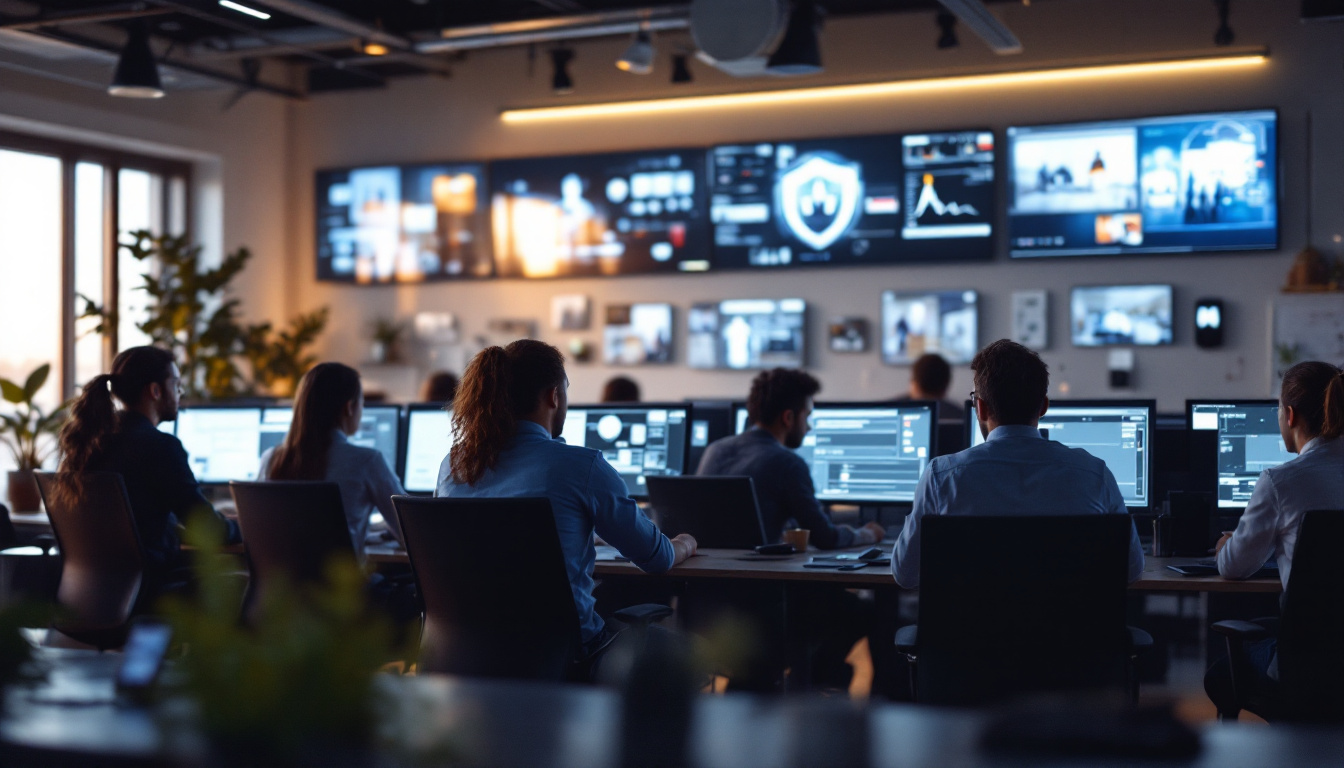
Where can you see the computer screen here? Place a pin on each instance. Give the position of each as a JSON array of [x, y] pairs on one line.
[[637, 334], [591, 215], [403, 224], [379, 428], [945, 322], [1119, 432], [636, 440], [429, 437], [1249, 442], [854, 200], [222, 443], [1101, 315], [747, 333], [1205, 182]]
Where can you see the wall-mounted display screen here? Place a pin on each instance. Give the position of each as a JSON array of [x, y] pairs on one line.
[[1120, 314], [403, 224], [1205, 182], [915, 323], [590, 215], [747, 333], [858, 200], [637, 334]]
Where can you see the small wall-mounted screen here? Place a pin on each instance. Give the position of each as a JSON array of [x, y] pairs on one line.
[[747, 333], [1120, 314], [637, 334], [942, 322]]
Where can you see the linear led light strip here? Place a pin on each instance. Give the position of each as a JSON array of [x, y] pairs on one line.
[[868, 90]]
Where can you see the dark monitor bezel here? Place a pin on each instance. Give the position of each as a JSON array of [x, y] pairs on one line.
[[652, 406]]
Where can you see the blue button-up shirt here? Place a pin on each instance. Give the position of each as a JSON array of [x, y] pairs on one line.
[[1014, 472], [586, 495]]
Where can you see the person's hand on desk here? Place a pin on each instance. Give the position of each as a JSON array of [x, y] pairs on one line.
[[870, 533], [1222, 542], [683, 546]]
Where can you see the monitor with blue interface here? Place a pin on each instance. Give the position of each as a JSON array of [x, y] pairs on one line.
[[1249, 442], [1119, 432], [636, 440], [945, 322], [854, 200], [1203, 182], [429, 437], [747, 333], [869, 453], [222, 443], [1102, 315], [379, 428]]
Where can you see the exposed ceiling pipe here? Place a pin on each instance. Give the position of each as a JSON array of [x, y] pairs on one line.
[[115, 13], [326, 17], [622, 22]]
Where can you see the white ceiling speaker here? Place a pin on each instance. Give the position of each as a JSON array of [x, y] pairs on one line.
[[738, 36]]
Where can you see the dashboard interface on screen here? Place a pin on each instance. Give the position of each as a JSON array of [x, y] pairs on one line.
[[589, 215], [1249, 442], [403, 224], [637, 334], [1117, 434], [379, 428], [944, 322], [747, 333], [429, 437], [1121, 314], [1205, 182], [635, 440], [222, 444], [858, 200]]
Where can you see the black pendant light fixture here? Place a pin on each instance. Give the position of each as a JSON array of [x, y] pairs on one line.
[[137, 74], [799, 53]]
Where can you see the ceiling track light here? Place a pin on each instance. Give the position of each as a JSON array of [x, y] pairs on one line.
[[947, 23], [799, 52], [561, 83], [638, 58], [137, 73], [244, 9], [681, 69], [1224, 34]]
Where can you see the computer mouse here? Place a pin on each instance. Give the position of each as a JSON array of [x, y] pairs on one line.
[[872, 553]]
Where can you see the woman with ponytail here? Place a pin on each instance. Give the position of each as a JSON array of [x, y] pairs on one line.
[[113, 427], [1311, 422], [328, 408], [508, 413]]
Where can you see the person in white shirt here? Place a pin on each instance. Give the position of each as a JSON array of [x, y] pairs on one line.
[[1311, 421]]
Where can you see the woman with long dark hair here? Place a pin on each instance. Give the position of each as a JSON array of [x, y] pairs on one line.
[[100, 436], [328, 408], [1311, 422], [509, 410]]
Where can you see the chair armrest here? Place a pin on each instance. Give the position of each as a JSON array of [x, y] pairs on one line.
[[1241, 630], [643, 615], [907, 639], [1139, 641]]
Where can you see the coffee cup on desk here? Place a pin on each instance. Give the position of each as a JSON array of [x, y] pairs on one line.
[[797, 538]]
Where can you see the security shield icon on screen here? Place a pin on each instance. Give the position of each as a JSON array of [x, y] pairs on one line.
[[818, 199]]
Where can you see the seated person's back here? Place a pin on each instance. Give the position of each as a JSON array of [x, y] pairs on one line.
[[778, 409], [1015, 471], [930, 378]]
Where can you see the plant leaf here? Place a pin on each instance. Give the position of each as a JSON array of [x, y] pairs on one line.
[[35, 380], [11, 392]]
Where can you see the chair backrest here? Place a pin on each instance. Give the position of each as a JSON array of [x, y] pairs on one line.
[[1311, 634], [1011, 605], [719, 512], [291, 530], [103, 564], [9, 537], [492, 578]]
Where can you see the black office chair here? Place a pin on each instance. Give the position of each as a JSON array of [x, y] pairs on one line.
[[30, 572], [103, 564], [1310, 634], [1011, 605], [496, 595], [292, 530]]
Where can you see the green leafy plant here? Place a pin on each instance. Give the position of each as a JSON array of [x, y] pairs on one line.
[[24, 429], [280, 359], [388, 333]]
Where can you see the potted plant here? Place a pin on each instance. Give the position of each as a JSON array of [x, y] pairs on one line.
[[23, 432], [386, 334]]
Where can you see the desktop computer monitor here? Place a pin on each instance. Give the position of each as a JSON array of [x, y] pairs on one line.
[[637, 440], [429, 437], [379, 428], [1249, 442], [223, 443], [866, 453], [1119, 432], [710, 421]]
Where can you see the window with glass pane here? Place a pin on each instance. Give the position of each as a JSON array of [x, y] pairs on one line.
[[90, 255], [139, 206]]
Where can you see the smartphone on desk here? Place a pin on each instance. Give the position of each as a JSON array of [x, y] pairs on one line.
[[142, 659]]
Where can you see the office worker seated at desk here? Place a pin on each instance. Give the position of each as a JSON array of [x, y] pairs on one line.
[[620, 389], [159, 482], [510, 410], [1311, 422], [930, 378], [778, 409], [1015, 471], [328, 408]]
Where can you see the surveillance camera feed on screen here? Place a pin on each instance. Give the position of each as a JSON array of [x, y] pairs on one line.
[[871, 454], [595, 215], [637, 334], [1157, 185], [403, 224], [917, 323], [635, 440], [1249, 442], [747, 333], [861, 200], [1121, 314]]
